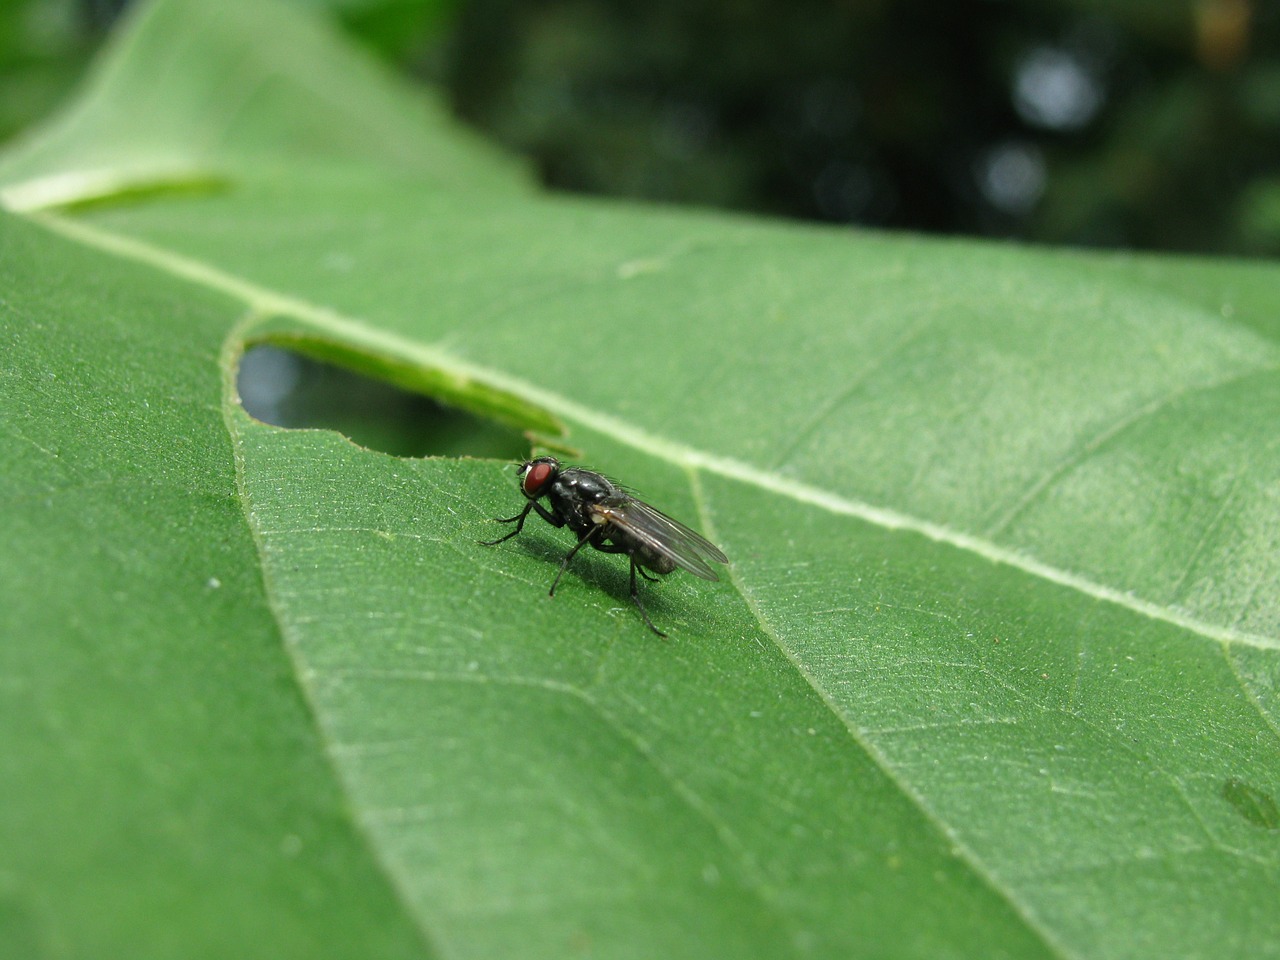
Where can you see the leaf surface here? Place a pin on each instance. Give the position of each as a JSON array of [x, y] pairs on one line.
[[993, 671]]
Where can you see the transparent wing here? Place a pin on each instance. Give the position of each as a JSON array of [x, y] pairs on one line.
[[670, 538]]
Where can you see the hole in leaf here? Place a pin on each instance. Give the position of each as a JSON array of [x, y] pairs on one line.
[[288, 388]]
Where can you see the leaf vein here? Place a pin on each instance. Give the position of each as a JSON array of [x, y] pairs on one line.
[[265, 301]]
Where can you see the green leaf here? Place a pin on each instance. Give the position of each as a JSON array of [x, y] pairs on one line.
[[993, 671], [195, 96]]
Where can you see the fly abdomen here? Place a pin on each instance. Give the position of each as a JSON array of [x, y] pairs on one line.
[[644, 556]]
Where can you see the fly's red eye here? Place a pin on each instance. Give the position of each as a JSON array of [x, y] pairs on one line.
[[538, 476]]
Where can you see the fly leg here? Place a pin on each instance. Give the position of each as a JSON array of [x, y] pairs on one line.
[[564, 564], [635, 595], [518, 520], [552, 518]]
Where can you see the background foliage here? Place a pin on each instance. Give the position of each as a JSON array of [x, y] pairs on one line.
[[1133, 123]]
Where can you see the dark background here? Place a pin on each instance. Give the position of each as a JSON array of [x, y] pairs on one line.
[[1150, 124]]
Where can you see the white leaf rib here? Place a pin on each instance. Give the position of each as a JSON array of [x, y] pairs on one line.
[[262, 301]]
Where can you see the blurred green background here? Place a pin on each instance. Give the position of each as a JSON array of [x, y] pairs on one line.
[[1150, 124]]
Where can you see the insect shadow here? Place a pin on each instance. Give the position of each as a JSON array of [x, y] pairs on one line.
[[588, 569]]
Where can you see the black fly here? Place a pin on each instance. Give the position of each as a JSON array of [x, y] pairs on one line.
[[604, 515]]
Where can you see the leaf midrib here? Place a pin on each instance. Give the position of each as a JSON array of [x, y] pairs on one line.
[[264, 301]]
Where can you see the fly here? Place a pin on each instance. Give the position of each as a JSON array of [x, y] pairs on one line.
[[608, 518]]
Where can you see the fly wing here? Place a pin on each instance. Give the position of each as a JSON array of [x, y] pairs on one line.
[[670, 538]]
